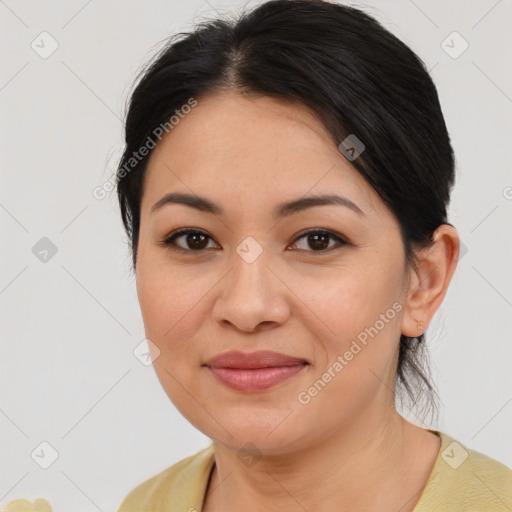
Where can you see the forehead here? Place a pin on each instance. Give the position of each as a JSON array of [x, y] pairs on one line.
[[259, 148]]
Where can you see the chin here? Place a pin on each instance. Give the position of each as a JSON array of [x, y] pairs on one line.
[[268, 431], [256, 441]]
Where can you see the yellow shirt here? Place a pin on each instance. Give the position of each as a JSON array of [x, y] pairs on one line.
[[462, 480]]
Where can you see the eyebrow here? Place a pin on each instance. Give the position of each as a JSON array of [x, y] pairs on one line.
[[282, 210]]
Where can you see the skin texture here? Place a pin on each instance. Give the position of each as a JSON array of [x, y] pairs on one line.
[[249, 154]]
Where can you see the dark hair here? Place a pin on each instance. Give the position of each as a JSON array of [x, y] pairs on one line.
[[356, 77]]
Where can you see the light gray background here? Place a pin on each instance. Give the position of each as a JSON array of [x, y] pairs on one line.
[[69, 325]]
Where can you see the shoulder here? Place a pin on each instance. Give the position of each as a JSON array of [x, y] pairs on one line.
[[489, 482], [464, 479], [181, 485]]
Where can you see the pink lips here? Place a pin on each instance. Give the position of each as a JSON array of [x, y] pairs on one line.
[[254, 371]]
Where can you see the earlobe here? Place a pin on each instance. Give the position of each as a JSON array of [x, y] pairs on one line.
[[429, 282]]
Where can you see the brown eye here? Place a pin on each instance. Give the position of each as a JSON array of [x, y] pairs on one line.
[[193, 240], [318, 241]]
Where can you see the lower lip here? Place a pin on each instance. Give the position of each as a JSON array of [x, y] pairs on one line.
[[257, 379]]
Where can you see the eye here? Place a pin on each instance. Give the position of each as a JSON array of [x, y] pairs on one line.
[[194, 240], [319, 240]]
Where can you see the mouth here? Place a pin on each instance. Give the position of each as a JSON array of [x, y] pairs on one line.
[[255, 371]]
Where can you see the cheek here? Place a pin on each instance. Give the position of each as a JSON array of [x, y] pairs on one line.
[[357, 318], [172, 312], [358, 347], [352, 300], [171, 302]]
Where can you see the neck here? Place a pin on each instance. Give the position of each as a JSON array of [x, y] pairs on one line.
[[375, 453]]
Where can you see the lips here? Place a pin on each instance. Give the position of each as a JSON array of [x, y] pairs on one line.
[[254, 371], [261, 359]]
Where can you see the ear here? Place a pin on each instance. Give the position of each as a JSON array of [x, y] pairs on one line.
[[428, 283]]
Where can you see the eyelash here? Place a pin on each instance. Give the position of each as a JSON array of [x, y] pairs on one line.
[[169, 241]]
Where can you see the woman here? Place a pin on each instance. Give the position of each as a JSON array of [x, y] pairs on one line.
[[284, 187]]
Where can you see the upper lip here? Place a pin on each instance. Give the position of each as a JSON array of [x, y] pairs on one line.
[[260, 359]]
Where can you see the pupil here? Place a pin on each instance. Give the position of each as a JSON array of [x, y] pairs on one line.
[[192, 239], [316, 244]]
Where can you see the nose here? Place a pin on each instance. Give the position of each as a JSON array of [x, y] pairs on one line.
[[252, 296]]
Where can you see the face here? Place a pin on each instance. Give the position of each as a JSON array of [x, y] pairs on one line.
[[322, 285]]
